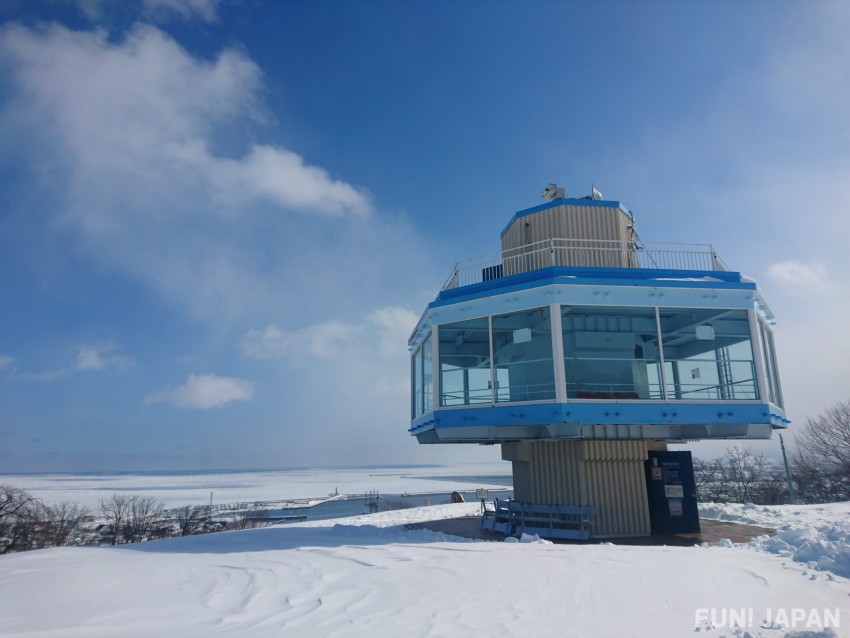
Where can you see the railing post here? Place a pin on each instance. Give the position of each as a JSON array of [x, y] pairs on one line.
[[551, 252]]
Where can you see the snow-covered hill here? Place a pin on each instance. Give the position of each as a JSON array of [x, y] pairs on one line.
[[370, 576]]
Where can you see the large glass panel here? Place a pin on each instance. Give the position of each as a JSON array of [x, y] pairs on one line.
[[771, 371], [777, 386], [611, 353], [427, 377], [465, 363], [417, 383], [522, 350], [708, 354], [767, 367]]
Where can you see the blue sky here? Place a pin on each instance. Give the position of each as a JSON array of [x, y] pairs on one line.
[[219, 221]]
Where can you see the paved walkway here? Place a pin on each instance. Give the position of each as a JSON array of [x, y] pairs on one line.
[[712, 532]]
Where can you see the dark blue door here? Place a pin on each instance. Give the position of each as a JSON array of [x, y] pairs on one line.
[[672, 493]]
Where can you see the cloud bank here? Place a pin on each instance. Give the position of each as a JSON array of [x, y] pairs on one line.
[[205, 391], [383, 331], [142, 149], [205, 10], [797, 277], [100, 356]]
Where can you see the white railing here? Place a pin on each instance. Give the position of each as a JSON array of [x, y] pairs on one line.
[[593, 253]]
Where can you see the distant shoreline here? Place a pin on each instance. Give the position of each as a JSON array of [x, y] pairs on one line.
[[215, 487], [224, 470]]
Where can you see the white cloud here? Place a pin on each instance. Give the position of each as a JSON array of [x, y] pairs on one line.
[[282, 177], [95, 357], [351, 378], [205, 391], [131, 134], [800, 278], [100, 357], [204, 9], [46, 376], [6, 362], [384, 330], [321, 340], [156, 10], [394, 327], [146, 108], [134, 94]]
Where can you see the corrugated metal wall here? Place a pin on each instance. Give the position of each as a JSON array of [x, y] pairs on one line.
[[607, 475], [569, 221], [615, 483]]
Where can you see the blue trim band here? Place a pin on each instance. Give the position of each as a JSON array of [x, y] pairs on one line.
[[604, 412], [661, 278]]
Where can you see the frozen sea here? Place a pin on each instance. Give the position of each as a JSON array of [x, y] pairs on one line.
[[308, 490]]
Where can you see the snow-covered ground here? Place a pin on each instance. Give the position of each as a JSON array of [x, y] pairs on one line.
[[815, 535], [370, 576]]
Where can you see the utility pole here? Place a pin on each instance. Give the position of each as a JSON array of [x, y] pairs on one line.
[[792, 500]]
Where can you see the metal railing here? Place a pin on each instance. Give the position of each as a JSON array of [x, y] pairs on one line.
[[586, 379], [592, 253]]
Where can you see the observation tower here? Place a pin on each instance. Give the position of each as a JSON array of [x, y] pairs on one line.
[[583, 352]]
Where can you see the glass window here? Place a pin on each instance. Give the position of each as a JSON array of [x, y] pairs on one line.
[[611, 353], [522, 350], [771, 371], [427, 376], [417, 383], [708, 354], [774, 365], [465, 363], [766, 363]]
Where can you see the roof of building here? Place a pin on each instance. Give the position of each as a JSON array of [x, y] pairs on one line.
[[568, 201]]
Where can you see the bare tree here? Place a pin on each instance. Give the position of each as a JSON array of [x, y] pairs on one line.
[[61, 520], [19, 519], [771, 490], [191, 518], [816, 481], [13, 501], [827, 437], [822, 459], [116, 511], [250, 520], [710, 480], [144, 514], [744, 472]]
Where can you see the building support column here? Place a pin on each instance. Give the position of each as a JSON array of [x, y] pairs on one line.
[[607, 475]]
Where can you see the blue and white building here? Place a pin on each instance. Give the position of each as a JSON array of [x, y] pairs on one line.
[[579, 344]]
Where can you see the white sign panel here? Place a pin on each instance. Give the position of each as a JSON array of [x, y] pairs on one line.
[[674, 491]]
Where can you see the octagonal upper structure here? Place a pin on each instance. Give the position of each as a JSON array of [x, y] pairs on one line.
[[596, 335]]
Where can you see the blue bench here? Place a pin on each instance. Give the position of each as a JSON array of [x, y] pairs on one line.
[[512, 518]]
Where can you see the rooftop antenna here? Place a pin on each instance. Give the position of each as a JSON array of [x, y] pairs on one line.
[[595, 194], [552, 192]]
